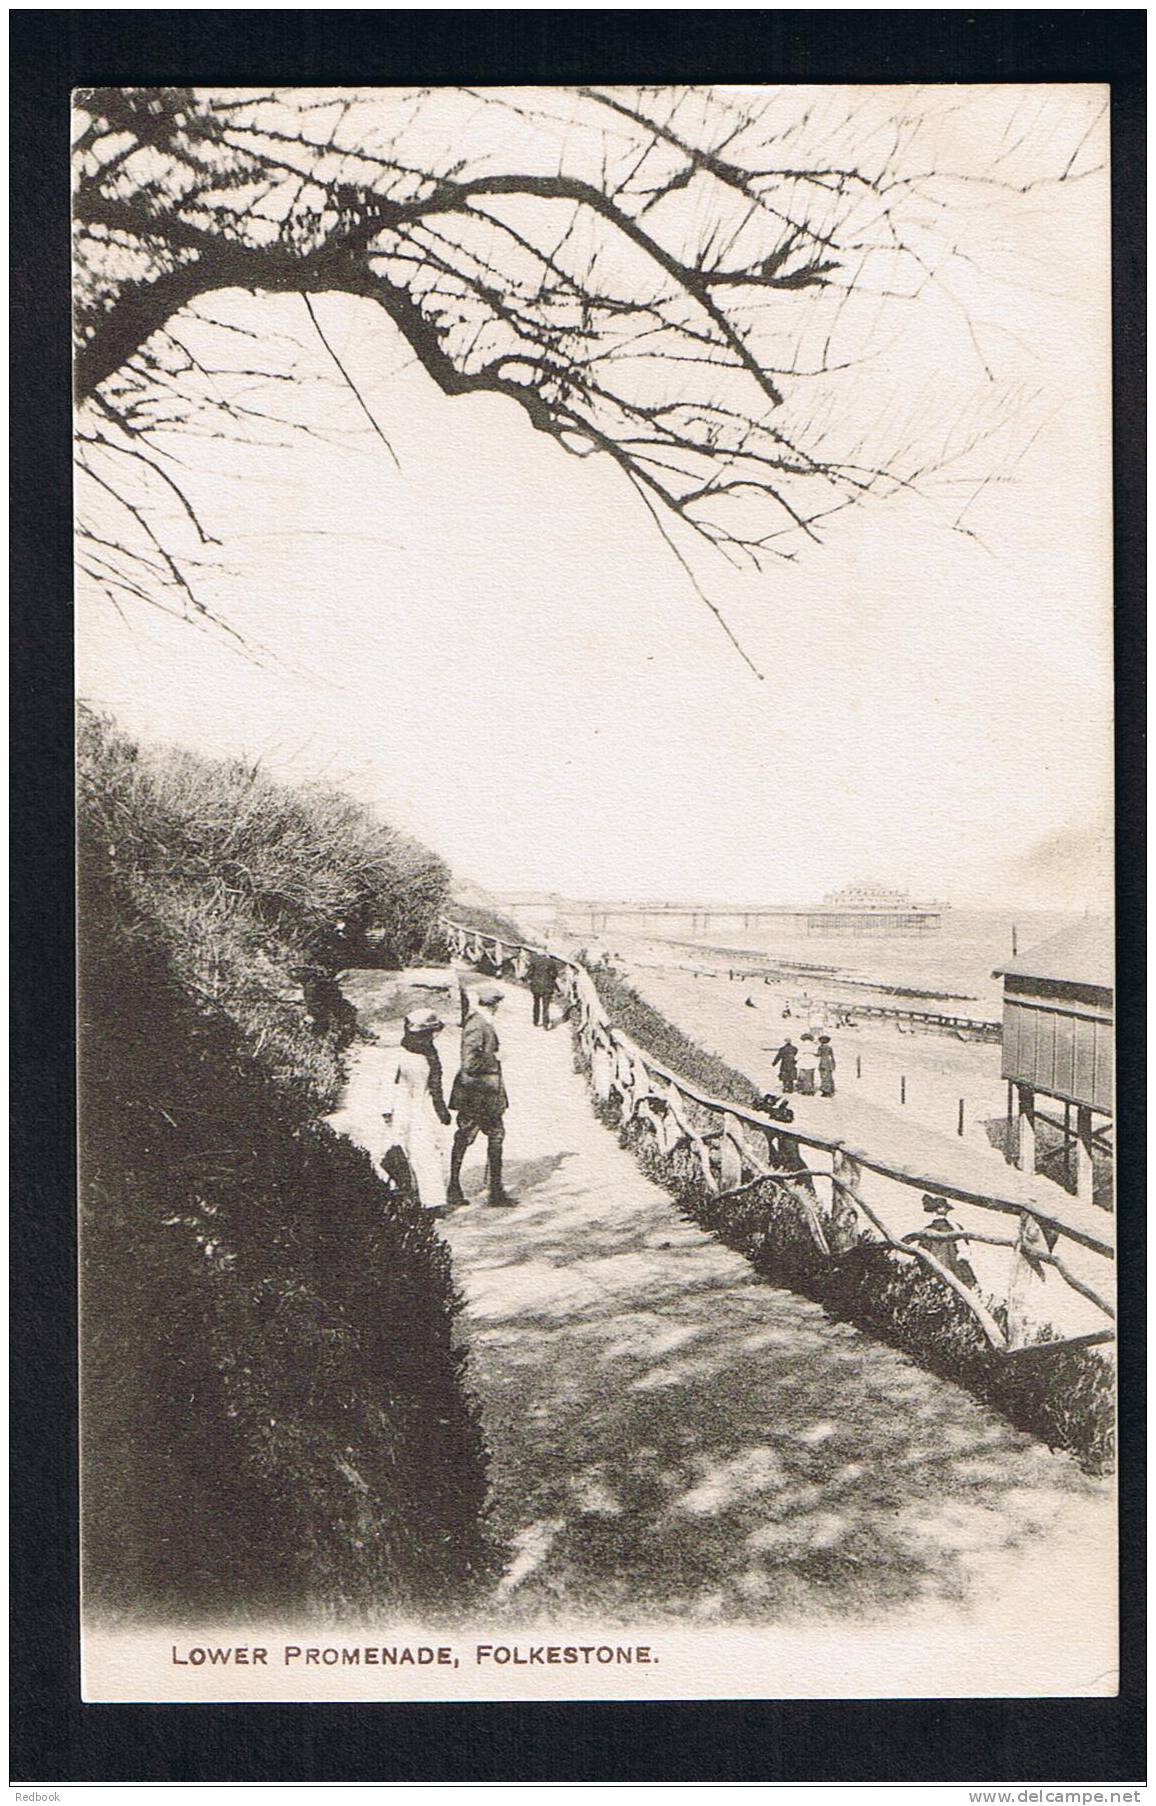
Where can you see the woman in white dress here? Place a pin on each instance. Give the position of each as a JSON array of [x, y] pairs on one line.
[[1027, 1299], [415, 1109]]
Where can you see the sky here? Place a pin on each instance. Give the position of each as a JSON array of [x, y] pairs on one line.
[[488, 639]]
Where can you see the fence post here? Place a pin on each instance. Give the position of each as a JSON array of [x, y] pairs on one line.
[[903, 1088], [730, 1154], [961, 1116], [1084, 1169]]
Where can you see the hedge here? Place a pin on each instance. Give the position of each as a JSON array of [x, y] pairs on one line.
[[275, 1415]]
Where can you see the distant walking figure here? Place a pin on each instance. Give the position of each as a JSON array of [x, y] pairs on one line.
[[785, 1060], [946, 1251], [479, 1097], [806, 1061], [826, 1066], [416, 1111], [543, 978]]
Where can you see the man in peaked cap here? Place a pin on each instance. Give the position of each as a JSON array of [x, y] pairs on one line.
[[479, 1097]]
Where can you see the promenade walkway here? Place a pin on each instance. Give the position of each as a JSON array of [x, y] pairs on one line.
[[673, 1437]]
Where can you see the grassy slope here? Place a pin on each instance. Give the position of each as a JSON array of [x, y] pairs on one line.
[[274, 1412], [656, 1035]]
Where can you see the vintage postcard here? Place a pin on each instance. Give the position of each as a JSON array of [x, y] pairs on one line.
[[595, 812]]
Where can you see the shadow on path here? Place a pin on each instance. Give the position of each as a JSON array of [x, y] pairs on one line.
[[672, 1437], [521, 1177]]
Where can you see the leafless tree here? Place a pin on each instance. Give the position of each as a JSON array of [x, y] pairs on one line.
[[711, 288]]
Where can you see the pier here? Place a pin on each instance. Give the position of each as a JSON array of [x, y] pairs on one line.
[[700, 921]]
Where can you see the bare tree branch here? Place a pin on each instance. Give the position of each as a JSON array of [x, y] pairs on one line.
[[696, 283]]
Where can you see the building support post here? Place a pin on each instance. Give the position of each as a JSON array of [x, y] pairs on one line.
[[1026, 1160], [1084, 1169]]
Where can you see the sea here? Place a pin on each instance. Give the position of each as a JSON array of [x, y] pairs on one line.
[[959, 963]]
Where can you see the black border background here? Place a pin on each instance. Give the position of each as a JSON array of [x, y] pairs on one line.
[[55, 1737]]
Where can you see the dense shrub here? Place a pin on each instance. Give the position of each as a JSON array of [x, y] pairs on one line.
[[274, 1411], [436, 949], [262, 891], [486, 920], [1065, 1396]]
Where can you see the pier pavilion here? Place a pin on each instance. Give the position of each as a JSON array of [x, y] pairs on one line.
[[1058, 1042]]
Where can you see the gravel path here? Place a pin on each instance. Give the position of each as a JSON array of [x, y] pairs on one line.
[[672, 1436]]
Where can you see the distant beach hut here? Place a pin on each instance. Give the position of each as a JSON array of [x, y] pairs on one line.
[[1058, 1042]]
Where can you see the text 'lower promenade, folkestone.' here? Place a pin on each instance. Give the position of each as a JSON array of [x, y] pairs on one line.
[[421, 1655]]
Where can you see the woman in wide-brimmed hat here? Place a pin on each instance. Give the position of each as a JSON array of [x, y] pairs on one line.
[[416, 1109], [943, 1239]]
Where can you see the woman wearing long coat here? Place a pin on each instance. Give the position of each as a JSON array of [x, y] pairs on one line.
[[415, 1109]]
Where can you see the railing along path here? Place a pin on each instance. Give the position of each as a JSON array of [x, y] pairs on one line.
[[738, 1149]]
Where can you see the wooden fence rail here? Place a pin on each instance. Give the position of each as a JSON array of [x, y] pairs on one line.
[[738, 1149]]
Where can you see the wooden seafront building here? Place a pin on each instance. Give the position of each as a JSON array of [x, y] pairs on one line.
[[1059, 1042]]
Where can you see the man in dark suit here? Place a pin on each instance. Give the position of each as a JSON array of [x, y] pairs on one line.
[[479, 1097], [786, 1060], [543, 981]]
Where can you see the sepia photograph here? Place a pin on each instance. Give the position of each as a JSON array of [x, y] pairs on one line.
[[595, 824]]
